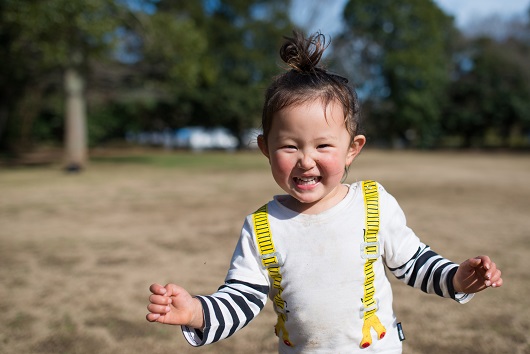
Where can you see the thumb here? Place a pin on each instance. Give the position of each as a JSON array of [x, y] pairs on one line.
[[475, 262], [172, 289]]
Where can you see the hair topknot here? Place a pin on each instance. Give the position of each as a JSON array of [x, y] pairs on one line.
[[308, 81], [303, 54]]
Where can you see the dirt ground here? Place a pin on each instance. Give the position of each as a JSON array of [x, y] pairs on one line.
[[78, 252]]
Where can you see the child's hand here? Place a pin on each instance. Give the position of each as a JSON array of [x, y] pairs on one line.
[[174, 305], [477, 274]]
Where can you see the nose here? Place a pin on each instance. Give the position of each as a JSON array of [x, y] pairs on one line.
[[306, 161]]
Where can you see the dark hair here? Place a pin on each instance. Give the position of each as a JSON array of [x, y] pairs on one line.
[[306, 81]]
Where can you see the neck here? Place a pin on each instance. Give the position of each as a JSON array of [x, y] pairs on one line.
[[318, 206]]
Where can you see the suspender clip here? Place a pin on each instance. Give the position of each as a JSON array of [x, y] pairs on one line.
[[280, 310], [369, 247], [363, 309], [267, 260]]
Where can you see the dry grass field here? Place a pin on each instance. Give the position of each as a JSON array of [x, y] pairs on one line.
[[78, 252]]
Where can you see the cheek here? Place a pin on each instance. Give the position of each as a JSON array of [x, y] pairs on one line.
[[334, 165], [282, 165]]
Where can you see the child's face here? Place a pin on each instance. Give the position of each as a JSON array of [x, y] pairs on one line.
[[308, 152]]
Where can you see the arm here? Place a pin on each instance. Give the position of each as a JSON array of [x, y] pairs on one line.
[[228, 310], [418, 266], [431, 273], [434, 274], [208, 319]]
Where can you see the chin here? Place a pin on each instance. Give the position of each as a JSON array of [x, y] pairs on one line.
[[307, 199]]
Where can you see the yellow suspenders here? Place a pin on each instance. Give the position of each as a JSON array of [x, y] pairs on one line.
[[271, 260], [370, 251]]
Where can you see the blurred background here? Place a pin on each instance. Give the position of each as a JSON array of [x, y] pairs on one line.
[[76, 76], [129, 90]]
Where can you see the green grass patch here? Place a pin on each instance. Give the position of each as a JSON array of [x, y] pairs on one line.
[[238, 161]]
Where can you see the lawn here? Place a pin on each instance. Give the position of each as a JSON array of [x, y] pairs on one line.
[[79, 251]]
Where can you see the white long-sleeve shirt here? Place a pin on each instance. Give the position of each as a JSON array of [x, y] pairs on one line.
[[323, 277]]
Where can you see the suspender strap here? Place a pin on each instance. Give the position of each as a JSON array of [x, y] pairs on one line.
[[370, 251], [271, 260]]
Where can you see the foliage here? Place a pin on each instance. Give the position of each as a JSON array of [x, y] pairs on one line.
[[173, 52], [490, 95], [62, 30], [406, 45], [164, 64], [200, 63], [243, 39], [42, 40]]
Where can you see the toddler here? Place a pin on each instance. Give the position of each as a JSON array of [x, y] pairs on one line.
[[319, 251]]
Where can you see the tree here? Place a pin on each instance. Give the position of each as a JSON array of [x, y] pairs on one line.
[[247, 54], [490, 93], [405, 59], [17, 73], [171, 60], [63, 35], [243, 39]]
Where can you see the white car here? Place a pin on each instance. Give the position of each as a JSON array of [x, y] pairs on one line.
[[200, 138]]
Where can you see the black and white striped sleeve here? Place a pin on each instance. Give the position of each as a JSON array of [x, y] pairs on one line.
[[431, 273], [228, 310], [409, 259], [239, 300]]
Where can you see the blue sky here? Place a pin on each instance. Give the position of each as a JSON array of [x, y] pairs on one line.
[[464, 11]]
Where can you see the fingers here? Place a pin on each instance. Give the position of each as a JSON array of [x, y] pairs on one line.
[[497, 283], [156, 317], [159, 303], [483, 262], [157, 289], [477, 274], [152, 317], [160, 300], [172, 304], [155, 309], [493, 277], [159, 306], [475, 262], [491, 274]]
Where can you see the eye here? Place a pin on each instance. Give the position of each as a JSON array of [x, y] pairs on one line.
[[289, 147], [323, 146]]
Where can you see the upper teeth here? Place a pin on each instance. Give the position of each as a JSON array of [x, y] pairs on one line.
[[307, 180]]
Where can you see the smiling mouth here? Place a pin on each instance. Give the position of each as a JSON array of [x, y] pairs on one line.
[[307, 181]]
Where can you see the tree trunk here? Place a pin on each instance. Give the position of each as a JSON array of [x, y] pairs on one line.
[[75, 127], [4, 114]]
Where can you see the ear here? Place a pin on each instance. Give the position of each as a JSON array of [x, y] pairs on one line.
[[262, 144], [355, 148]]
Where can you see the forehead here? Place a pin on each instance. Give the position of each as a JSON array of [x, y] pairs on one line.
[[311, 117], [328, 111]]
